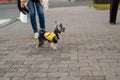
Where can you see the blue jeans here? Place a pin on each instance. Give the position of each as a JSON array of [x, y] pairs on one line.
[[32, 6]]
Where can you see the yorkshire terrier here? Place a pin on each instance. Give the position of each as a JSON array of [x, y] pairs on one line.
[[51, 37]]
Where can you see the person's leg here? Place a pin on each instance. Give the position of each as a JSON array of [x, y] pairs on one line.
[[113, 10], [40, 12], [32, 13]]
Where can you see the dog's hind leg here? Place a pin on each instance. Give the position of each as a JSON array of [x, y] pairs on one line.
[[41, 38]]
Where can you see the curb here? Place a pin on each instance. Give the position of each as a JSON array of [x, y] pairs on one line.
[[102, 6]]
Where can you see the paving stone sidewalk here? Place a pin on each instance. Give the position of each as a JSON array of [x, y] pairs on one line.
[[88, 50]]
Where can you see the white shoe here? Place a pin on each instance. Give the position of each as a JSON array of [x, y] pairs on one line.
[[36, 35]]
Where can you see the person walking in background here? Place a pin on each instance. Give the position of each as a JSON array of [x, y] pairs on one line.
[[113, 11], [33, 6]]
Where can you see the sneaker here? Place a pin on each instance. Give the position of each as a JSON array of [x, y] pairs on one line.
[[113, 23], [36, 35]]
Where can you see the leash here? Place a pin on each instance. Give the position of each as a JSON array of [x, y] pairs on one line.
[[9, 22]]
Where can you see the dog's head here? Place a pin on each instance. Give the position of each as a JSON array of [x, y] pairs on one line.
[[59, 27]]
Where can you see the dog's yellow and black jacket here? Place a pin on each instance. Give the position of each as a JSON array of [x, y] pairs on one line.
[[51, 36]]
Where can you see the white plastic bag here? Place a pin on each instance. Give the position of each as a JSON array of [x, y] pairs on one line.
[[23, 17]]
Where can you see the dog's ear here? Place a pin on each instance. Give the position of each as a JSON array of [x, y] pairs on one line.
[[56, 22]]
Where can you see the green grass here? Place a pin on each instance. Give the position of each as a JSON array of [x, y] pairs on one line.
[[102, 6]]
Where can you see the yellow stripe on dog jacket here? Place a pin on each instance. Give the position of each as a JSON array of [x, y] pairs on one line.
[[49, 36]]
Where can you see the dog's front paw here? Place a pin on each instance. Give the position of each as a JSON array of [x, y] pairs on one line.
[[53, 46]]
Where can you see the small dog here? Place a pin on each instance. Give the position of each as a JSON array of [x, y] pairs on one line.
[[51, 37]]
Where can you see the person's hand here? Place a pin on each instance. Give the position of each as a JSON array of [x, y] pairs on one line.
[[22, 4], [42, 2], [21, 7]]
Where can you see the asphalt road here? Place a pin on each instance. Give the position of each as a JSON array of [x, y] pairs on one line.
[[9, 11]]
